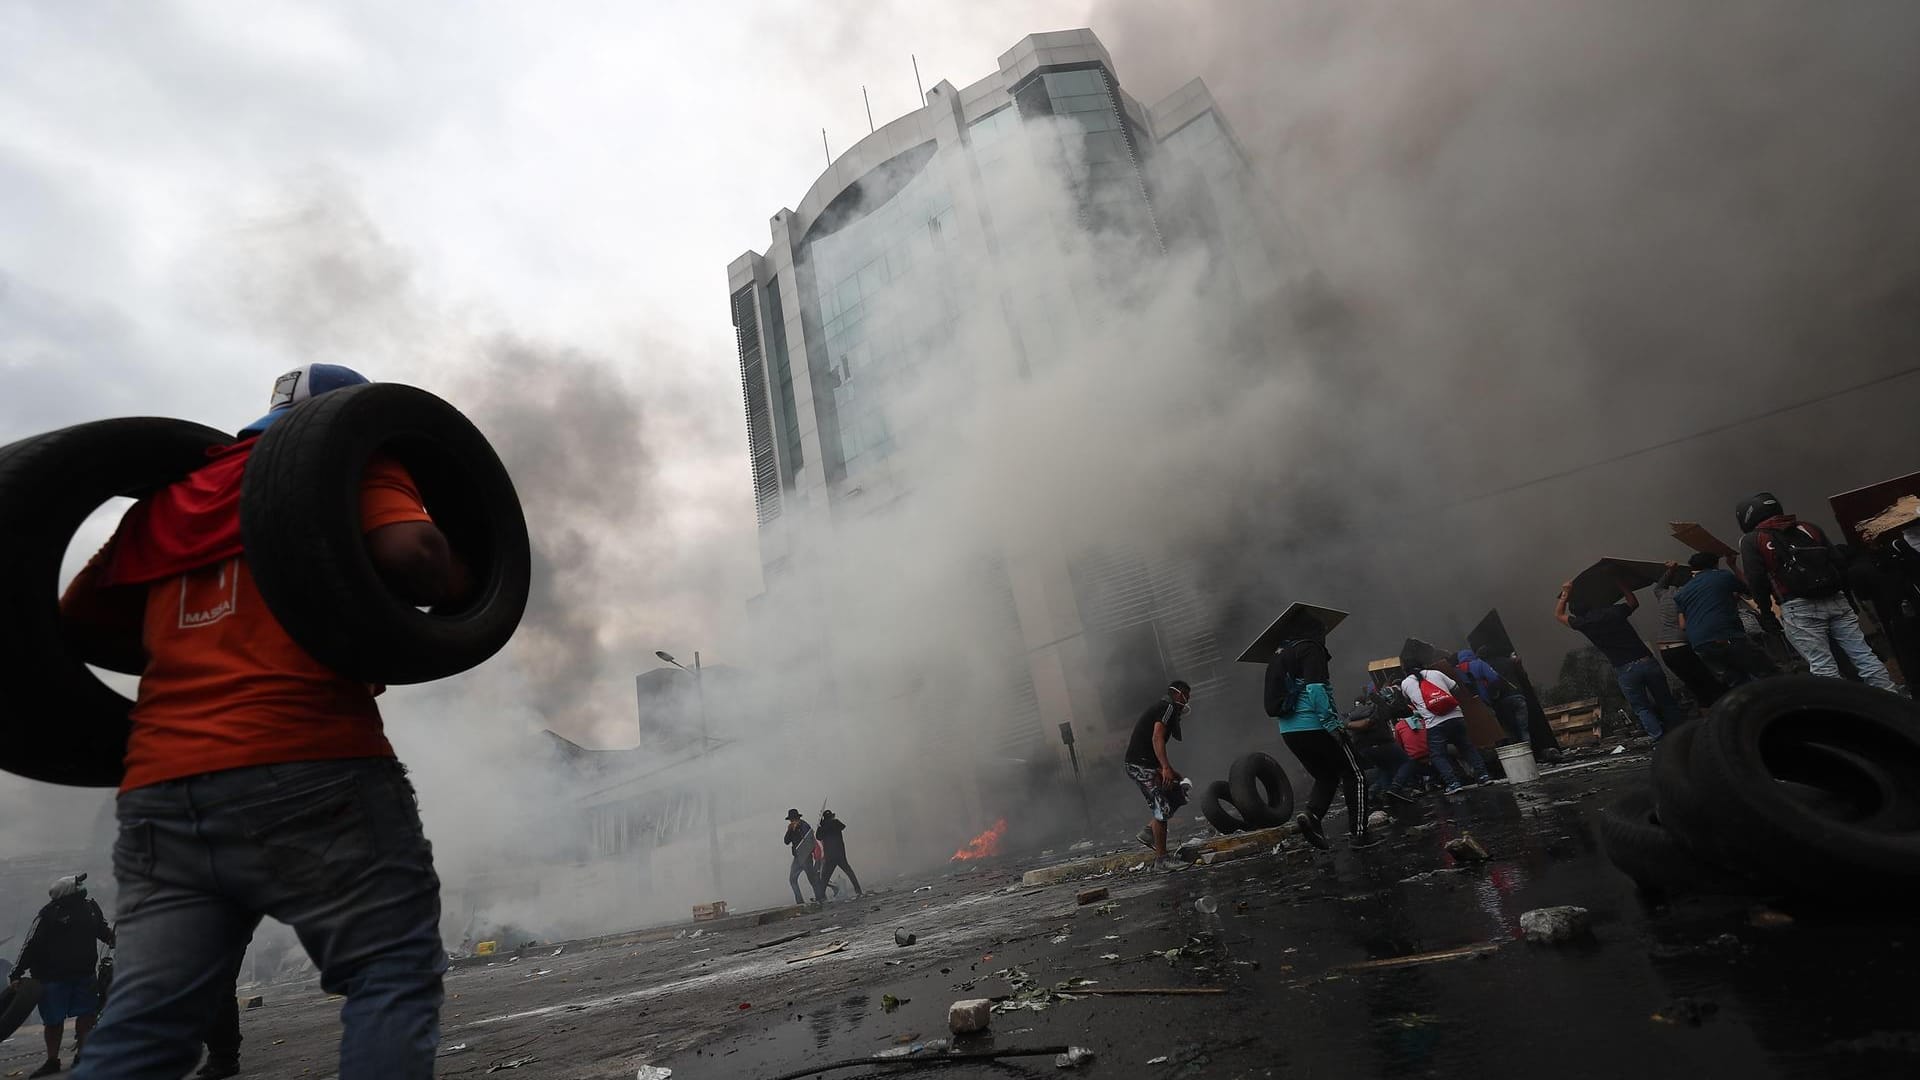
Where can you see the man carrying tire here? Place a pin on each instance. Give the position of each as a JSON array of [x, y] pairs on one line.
[[59, 952], [260, 783], [1150, 768], [1791, 561], [1299, 698]]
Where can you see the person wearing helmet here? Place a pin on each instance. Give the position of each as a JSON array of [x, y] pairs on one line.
[[1791, 561], [59, 952], [259, 782]]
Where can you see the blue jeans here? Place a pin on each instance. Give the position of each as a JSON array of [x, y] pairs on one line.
[[1810, 623], [1453, 732], [1645, 685], [333, 849], [1512, 711]]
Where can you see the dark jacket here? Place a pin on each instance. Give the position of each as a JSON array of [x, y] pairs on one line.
[[59, 948], [832, 836], [800, 839], [1756, 559]]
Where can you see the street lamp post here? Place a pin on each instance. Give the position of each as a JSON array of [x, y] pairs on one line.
[[706, 745]]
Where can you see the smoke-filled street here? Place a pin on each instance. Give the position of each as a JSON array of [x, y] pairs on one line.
[[1397, 961]]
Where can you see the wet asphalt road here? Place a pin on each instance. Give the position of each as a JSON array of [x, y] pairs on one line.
[[1691, 988]]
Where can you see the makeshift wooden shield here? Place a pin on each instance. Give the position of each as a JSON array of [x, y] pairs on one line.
[[1852, 508], [1696, 536], [1601, 584], [1299, 620]]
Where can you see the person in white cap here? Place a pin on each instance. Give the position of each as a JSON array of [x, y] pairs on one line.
[[59, 952]]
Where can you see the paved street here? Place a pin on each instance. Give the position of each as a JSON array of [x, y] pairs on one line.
[[1660, 991]]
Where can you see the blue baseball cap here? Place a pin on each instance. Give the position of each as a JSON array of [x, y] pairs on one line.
[[300, 384]]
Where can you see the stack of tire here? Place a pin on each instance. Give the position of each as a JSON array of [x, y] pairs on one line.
[[1791, 785], [300, 527], [1255, 795]]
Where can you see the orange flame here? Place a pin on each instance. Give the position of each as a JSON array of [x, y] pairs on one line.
[[987, 843]]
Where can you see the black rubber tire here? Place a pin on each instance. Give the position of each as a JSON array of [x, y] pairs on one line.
[[1682, 807], [1860, 841], [60, 723], [1260, 790], [17, 1002], [1645, 851], [1216, 802], [300, 520]]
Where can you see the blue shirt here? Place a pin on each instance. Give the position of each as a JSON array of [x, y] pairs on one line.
[[1709, 605]]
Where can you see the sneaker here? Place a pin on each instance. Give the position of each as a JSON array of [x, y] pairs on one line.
[[1363, 839], [52, 1066], [1453, 788], [1310, 829], [218, 1069], [1484, 780]]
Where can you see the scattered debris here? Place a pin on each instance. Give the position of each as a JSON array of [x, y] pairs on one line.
[[904, 939], [444, 1051], [252, 1001], [1556, 925], [888, 1002], [654, 1072], [969, 1016], [795, 936], [1075, 1057], [1109, 956], [1767, 918], [516, 1063], [1685, 1010], [825, 950], [1435, 957], [1090, 896], [1206, 905], [486, 948], [924, 888], [1060, 939], [1241, 907], [1161, 1060], [1379, 819], [1081, 846], [1157, 991], [1464, 848], [1621, 749]]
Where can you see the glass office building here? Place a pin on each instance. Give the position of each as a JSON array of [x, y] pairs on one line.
[[828, 338]]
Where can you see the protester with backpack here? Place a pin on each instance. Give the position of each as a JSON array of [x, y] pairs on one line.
[[1299, 697], [1430, 692], [1791, 561]]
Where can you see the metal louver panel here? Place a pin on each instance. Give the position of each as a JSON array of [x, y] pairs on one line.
[[1117, 589], [753, 386]]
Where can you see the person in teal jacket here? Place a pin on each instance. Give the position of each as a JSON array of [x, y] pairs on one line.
[[1299, 697]]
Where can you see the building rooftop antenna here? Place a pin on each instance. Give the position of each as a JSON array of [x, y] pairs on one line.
[[869, 103], [916, 78], [823, 146]]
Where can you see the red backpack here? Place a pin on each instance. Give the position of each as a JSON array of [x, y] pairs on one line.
[[1438, 701]]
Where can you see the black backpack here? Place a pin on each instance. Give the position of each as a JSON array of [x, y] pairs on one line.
[[1803, 566]]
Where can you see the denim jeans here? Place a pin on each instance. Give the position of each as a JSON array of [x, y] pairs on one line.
[[1453, 732], [1394, 767], [1735, 662], [805, 866], [1644, 683], [333, 849], [1512, 711], [1810, 623]]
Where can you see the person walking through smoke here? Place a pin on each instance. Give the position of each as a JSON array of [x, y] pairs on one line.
[[1430, 692], [833, 838], [260, 783], [59, 952], [1709, 607], [1299, 698], [799, 840], [1150, 768], [1791, 561], [1639, 674]]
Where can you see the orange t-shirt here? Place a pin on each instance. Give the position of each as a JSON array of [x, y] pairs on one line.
[[225, 687]]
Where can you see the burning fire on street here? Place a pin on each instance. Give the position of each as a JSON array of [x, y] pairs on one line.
[[987, 843]]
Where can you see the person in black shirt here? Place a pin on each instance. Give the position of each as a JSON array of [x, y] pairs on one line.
[[833, 837], [1640, 676], [1371, 726], [1150, 768]]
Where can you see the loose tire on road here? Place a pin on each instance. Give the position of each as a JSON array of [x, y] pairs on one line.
[[60, 723], [1260, 790], [300, 520], [1645, 851], [1680, 804], [17, 1002], [1782, 761], [1216, 802]]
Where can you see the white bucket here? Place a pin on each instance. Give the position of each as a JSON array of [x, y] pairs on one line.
[[1517, 762]]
